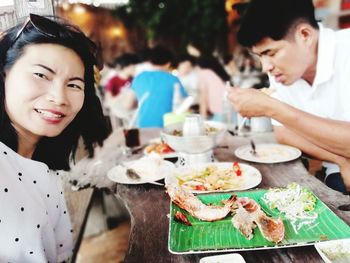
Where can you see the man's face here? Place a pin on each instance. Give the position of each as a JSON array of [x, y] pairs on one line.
[[286, 60]]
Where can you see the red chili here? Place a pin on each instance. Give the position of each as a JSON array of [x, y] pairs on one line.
[[237, 169], [200, 188], [180, 217]]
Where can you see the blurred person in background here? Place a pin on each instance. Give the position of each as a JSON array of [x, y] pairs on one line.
[[155, 89], [144, 63], [106, 73], [119, 99], [125, 70], [188, 76], [308, 65], [212, 79], [249, 74], [231, 68]]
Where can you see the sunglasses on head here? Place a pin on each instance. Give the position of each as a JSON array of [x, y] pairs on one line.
[[51, 29]]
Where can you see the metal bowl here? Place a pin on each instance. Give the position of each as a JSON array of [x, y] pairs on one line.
[[193, 144]]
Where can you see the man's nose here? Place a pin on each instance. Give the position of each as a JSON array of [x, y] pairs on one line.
[[267, 65]]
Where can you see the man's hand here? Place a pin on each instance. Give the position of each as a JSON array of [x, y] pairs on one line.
[[250, 102]]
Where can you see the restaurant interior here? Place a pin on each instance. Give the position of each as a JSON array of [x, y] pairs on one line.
[[186, 27]]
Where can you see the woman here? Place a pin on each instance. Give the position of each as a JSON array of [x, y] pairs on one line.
[[211, 81], [47, 102]]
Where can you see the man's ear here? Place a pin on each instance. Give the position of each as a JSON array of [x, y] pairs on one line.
[[305, 34]]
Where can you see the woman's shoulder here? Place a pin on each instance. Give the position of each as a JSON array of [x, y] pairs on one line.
[[9, 156]]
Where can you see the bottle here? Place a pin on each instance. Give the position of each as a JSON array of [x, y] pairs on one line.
[[229, 116]]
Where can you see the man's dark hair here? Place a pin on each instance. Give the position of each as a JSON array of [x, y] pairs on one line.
[[126, 60], [161, 56], [89, 124], [273, 19]]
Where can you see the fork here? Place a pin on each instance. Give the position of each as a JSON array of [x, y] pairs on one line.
[[253, 149]]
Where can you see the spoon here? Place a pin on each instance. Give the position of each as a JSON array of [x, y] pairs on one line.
[[133, 175], [253, 148]]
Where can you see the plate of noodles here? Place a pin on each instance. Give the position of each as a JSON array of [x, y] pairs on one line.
[[215, 177]]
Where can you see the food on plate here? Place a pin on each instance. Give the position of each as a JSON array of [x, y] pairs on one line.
[[248, 215], [337, 250], [213, 178], [295, 202], [160, 148], [195, 207], [209, 130], [147, 169], [180, 217], [271, 154]]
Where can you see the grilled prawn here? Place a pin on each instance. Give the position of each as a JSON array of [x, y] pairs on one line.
[[249, 214], [196, 208]]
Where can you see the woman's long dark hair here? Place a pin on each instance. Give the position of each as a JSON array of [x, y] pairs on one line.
[[210, 62], [90, 123]]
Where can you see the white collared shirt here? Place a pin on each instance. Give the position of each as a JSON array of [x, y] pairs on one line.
[[329, 96], [34, 220]]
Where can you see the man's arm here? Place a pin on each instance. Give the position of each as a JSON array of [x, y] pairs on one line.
[[331, 135], [286, 136]]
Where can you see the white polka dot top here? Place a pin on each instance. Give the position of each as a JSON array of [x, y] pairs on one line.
[[34, 220]]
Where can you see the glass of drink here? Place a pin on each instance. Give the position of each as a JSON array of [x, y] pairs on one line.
[[132, 137]]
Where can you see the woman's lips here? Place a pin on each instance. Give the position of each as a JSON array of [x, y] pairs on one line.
[[50, 116]]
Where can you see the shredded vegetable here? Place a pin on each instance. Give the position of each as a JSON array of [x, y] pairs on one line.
[[295, 202]]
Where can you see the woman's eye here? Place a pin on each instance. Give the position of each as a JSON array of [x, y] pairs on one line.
[[75, 86], [41, 75]]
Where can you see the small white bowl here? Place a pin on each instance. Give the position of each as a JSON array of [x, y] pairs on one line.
[[334, 250], [225, 258]]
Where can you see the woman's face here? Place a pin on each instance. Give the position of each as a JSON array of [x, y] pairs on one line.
[[44, 90]]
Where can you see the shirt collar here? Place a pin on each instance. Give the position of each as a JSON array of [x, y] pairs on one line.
[[325, 55]]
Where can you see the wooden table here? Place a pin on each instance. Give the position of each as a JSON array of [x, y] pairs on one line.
[[149, 209]]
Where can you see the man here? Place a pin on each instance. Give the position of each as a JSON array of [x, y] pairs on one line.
[[156, 89], [308, 65]]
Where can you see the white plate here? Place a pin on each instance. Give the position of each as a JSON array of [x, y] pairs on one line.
[[335, 251], [150, 168], [251, 175], [226, 258], [268, 153]]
